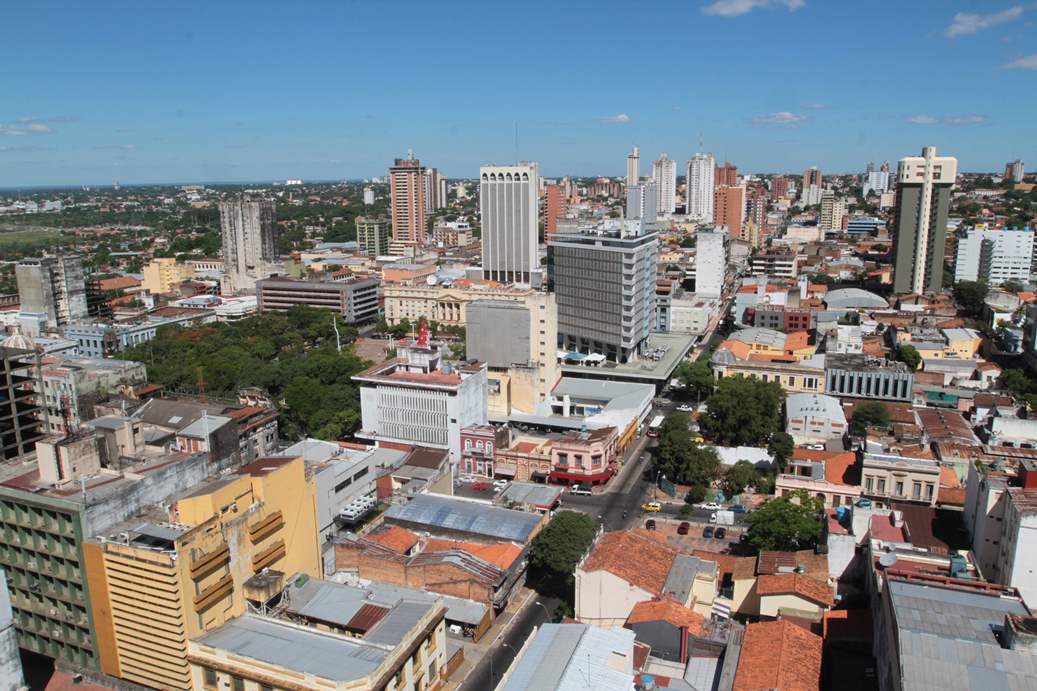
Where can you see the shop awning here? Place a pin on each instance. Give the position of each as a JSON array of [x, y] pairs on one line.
[[581, 477]]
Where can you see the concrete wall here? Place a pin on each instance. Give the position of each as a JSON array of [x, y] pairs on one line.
[[771, 604], [665, 639], [10, 660], [603, 599]]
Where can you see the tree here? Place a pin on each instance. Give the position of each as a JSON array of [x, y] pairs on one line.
[[788, 523], [557, 549], [823, 279], [909, 356], [739, 476], [697, 377], [1012, 286], [1016, 381], [970, 296], [679, 458], [696, 495], [743, 412], [781, 446], [870, 414]]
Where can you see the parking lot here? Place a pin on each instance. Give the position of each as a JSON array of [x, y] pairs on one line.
[[695, 537]]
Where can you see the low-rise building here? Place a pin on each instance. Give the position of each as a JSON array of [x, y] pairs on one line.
[[72, 385], [779, 263], [354, 299], [443, 302], [865, 376], [569, 656], [587, 457], [460, 519], [779, 655], [887, 478], [814, 417]]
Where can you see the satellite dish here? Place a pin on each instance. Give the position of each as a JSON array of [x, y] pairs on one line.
[[431, 280], [887, 560]]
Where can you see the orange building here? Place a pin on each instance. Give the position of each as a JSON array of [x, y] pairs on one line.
[[729, 209], [407, 198]]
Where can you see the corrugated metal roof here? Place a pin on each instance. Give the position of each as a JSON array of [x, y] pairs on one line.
[[571, 657], [392, 628], [466, 517], [366, 618]]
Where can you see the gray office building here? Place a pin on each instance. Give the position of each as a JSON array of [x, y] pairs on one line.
[[373, 236], [864, 376], [509, 212], [604, 284], [249, 235], [51, 290], [497, 332]]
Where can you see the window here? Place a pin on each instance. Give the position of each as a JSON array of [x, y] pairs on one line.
[[916, 490], [238, 684], [899, 488], [211, 680], [929, 492], [867, 483], [882, 486]]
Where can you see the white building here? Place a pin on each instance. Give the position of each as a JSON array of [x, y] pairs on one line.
[[633, 167], [994, 256], [419, 399], [664, 175], [509, 211], [249, 233], [642, 203], [701, 179], [875, 182], [814, 417], [710, 261], [368, 196]]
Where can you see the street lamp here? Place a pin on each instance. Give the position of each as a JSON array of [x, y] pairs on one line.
[[492, 677], [541, 604]]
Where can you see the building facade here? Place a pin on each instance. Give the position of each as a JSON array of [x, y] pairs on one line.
[[994, 256], [509, 212], [862, 376], [699, 189], [52, 292], [633, 167], [373, 235], [710, 261], [249, 233], [924, 186], [20, 410], [355, 299], [664, 175], [445, 304], [810, 192], [407, 201], [605, 289], [162, 275], [729, 208]]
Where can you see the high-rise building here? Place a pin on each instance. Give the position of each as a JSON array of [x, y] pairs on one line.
[[729, 208], [604, 285], [1014, 171], [832, 211], [633, 167], [875, 182], [372, 235], [435, 190], [555, 205], [779, 187], [664, 175], [710, 261], [407, 201], [726, 174], [163, 275], [920, 226], [509, 212], [52, 292], [756, 208], [994, 256], [641, 203], [21, 409], [368, 196], [700, 187], [810, 193], [249, 240]]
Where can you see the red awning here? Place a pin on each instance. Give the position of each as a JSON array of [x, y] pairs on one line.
[[581, 477]]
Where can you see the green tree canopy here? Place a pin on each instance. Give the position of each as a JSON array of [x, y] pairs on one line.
[[557, 549], [781, 446], [1016, 381], [786, 523], [680, 459], [743, 411], [869, 414], [1012, 286], [970, 295], [739, 476], [909, 356], [697, 377]]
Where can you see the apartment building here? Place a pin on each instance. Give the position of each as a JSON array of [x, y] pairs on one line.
[[162, 275], [20, 408], [354, 299]]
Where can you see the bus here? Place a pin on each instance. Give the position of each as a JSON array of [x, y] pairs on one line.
[[654, 425]]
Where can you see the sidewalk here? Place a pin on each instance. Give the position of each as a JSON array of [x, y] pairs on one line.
[[474, 652], [632, 460]]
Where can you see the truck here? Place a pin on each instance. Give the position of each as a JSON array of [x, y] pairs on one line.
[[723, 517]]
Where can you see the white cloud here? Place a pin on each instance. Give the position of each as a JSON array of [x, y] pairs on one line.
[[736, 8], [621, 118], [25, 126], [965, 23], [783, 117], [1027, 62], [948, 120], [818, 106]]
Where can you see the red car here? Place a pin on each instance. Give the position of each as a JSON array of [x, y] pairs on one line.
[[480, 486]]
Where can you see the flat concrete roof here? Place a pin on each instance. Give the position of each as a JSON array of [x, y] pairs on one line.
[[656, 371]]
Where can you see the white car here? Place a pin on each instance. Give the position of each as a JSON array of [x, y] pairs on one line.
[[686, 408], [500, 485], [711, 506]]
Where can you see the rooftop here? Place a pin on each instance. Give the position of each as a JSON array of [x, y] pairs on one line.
[[446, 513], [640, 557], [574, 657], [779, 655]]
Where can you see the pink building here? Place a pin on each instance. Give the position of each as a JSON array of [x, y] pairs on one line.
[[479, 444], [574, 457]]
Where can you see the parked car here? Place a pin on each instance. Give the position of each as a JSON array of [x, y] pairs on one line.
[[650, 524], [580, 489], [707, 531], [652, 506], [738, 508], [480, 486], [466, 478], [711, 506], [500, 485], [720, 533], [683, 528], [686, 408]]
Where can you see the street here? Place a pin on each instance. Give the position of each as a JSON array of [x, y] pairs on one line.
[[502, 652]]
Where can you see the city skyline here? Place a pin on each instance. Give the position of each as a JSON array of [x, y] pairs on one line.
[[128, 102]]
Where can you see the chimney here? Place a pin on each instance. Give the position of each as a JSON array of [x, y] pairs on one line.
[[1028, 473]]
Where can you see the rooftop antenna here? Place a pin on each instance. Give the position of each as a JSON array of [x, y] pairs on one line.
[[516, 143], [410, 154]]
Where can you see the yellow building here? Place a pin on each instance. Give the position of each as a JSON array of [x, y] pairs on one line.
[[444, 304], [162, 582], [163, 275], [805, 376]]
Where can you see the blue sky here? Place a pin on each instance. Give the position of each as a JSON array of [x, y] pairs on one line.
[[208, 91]]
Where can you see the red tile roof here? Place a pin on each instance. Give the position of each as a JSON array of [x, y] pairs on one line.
[[395, 538], [779, 655], [795, 584], [640, 557], [501, 555], [670, 611], [882, 528]]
